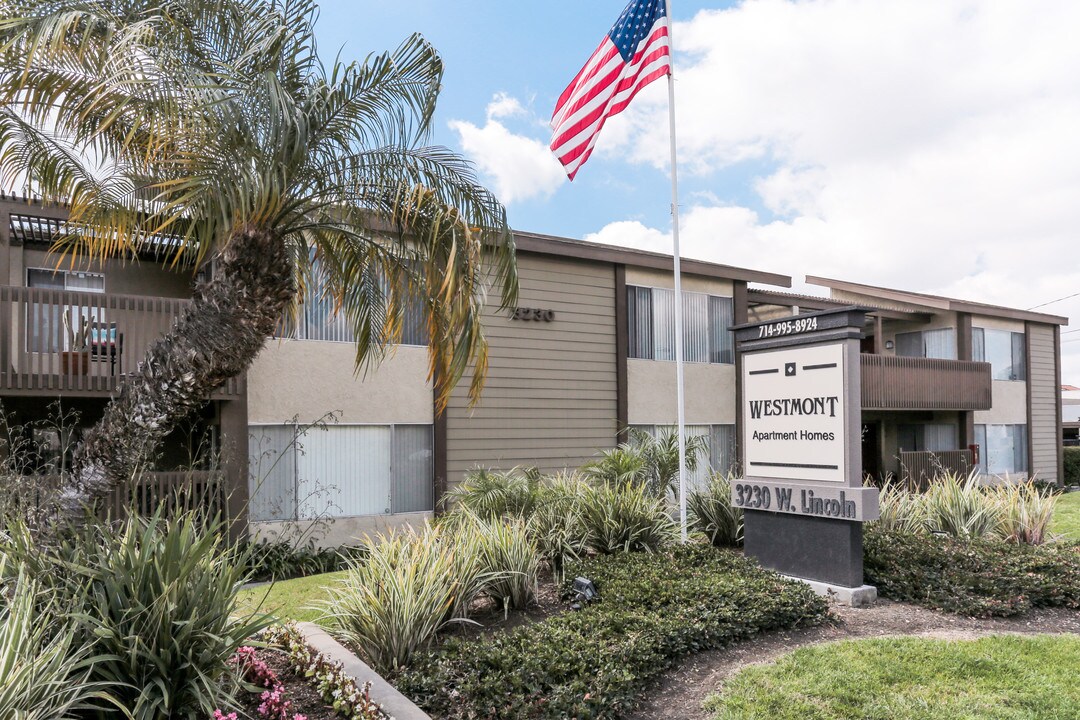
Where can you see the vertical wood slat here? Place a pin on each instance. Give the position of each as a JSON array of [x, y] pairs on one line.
[[908, 383], [27, 313]]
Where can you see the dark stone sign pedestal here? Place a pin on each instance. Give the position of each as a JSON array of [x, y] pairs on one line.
[[809, 548], [801, 423]]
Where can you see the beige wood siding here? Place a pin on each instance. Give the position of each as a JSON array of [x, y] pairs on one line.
[[550, 396], [1044, 432]]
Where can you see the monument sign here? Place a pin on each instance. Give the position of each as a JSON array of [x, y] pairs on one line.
[[801, 420]]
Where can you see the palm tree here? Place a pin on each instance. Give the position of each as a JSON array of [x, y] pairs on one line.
[[212, 129]]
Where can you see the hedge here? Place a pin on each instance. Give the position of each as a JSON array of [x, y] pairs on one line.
[[980, 578], [1072, 465], [653, 610]]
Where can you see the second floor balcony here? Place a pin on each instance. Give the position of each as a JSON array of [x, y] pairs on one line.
[[914, 383], [61, 342]]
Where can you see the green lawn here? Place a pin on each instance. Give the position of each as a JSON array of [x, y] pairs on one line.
[[993, 678], [290, 599], [1067, 517]]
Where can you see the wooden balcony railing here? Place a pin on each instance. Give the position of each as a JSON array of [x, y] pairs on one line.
[[918, 469], [172, 492], [39, 355], [907, 383]]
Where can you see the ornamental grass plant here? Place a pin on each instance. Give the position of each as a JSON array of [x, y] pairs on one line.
[[154, 601], [626, 518], [45, 669], [407, 587], [711, 513], [959, 506], [1025, 512]]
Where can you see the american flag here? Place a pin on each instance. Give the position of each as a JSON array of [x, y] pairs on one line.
[[636, 51]]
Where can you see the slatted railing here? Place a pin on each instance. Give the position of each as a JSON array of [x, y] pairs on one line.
[[112, 333], [908, 383], [918, 469]]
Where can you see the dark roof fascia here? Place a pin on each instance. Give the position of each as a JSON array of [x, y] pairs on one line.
[[765, 297], [599, 252], [939, 302]]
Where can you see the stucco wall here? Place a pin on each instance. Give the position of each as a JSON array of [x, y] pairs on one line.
[[308, 378], [1009, 398], [690, 283], [341, 531], [651, 388]]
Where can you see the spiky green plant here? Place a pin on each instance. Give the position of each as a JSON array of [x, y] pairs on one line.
[[616, 467], [661, 458], [155, 600], [901, 509], [490, 493], [407, 587], [509, 560], [1025, 511], [710, 512], [625, 519], [556, 524], [45, 672], [959, 506]]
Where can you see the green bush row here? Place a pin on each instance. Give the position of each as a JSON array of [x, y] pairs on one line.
[[976, 577], [654, 609], [1072, 465]]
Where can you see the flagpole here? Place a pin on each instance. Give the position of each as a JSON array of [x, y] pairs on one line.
[[679, 385]]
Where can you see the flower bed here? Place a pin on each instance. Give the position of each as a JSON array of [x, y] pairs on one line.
[[293, 682]]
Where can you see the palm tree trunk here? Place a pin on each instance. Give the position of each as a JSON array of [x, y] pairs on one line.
[[216, 338]]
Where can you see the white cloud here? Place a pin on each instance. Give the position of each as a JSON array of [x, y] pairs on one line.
[[923, 145], [519, 167]]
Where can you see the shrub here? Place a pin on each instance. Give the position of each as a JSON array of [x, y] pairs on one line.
[[960, 507], [624, 519], [284, 560], [653, 610], [646, 460], [711, 512], [44, 670], [510, 563], [977, 577], [623, 465], [1072, 465], [555, 525], [900, 509], [1024, 512], [408, 586], [492, 494], [155, 599]]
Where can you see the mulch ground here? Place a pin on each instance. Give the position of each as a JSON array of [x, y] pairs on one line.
[[681, 691]]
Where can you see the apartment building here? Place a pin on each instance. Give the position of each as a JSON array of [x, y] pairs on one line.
[[588, 352], [948, 383]]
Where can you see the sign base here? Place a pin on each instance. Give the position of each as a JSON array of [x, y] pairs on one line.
[[811, 548], [862, 596]]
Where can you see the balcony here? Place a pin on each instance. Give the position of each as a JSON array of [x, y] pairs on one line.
[[40, 354], [910, 383], [919, 469]]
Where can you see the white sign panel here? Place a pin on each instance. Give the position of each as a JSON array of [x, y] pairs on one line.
[[793, 407]]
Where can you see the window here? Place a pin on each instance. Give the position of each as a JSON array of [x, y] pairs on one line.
[[1003, 448], [46, 331], [1004, 351], [340, 471], [319, 320], [707, 321], [720, 456], [927, 437], [927, 344]]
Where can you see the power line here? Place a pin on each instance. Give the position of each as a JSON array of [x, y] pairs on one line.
[[1067, 297]]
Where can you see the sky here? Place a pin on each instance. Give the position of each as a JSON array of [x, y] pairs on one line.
[[926, 145]]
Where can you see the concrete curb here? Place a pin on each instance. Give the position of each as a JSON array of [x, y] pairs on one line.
[[393, 703]]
